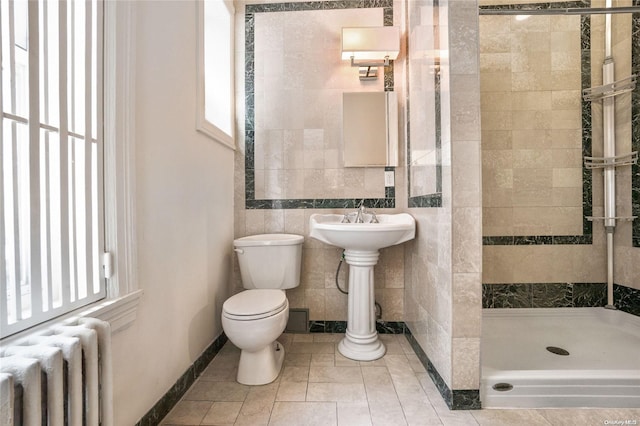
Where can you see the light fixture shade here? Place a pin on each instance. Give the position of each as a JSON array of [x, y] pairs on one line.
[[370, 43]]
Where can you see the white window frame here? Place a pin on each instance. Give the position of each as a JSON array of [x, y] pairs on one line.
[[123, 295], [202, 124]]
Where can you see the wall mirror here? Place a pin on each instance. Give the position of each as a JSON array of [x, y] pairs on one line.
[[370, 129]]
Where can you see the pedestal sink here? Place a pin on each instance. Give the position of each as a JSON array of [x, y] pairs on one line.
[[361, 242]]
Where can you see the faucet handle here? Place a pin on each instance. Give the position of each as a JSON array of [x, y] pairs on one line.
[[374, 218], [345, 218]]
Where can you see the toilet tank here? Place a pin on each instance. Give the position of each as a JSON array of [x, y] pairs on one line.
[[270, 260]]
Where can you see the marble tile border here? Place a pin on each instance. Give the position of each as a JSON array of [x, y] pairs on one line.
[[635, 125], [304, 203], [587, 207], [160, 410], [464, 399], [435, 199], [382, 327], [559, 295]]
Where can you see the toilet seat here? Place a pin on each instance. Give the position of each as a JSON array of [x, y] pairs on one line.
[[256, 304]]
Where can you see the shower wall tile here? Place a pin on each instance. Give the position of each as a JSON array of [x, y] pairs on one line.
[[466, 363], [467, 294]]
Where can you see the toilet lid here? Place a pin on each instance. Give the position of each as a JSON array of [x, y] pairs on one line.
[[254, 304]]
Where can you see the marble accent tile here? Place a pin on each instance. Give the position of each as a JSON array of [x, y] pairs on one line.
[[627, 299], [551, 295]]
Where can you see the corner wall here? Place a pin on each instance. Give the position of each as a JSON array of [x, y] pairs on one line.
[[184, 216], [443, 264]]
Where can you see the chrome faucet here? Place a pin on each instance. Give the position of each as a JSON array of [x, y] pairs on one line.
[[361, 211]]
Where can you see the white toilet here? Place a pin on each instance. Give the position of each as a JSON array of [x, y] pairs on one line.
[[253, 319]]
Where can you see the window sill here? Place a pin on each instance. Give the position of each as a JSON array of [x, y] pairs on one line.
[[120, 312]]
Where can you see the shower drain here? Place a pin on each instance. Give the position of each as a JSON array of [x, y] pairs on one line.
[[502, 387], [557, 351]]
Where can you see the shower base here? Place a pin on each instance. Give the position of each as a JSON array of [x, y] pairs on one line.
[[525, 362]]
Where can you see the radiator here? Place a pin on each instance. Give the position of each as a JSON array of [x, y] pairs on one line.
[[60, 376]]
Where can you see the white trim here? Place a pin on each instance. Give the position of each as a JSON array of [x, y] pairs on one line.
[[202, 124], [120, 313], [119, 163]]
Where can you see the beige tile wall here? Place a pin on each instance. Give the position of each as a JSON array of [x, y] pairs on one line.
[[559, 263], [531, 121], [444, 263], [299, 83]]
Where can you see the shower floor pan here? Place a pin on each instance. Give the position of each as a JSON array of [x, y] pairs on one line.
[[525, 362]]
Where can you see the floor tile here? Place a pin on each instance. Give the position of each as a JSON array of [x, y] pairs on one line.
[[319, 386], [345, 392], [222, 413], [216, 391], [335, 374], [313, 413], [353, 414], [292, 391], [187, 413]]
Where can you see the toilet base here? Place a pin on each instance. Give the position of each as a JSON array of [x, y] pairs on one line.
[[260, 367]]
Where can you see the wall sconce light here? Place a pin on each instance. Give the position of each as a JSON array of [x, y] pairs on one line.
[[370, 48]]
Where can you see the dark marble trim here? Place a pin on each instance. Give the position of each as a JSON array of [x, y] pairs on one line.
[[317, 203], [428, 200], [539, 6], [328, 203], [383, 327], [464, 399], [432, 200], [526, 240], [559, 295], [627, 299], [587, 203], [635, 125], [173, 395]]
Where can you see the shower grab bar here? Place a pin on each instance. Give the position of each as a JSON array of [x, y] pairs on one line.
[[608, 90], [617, 161]]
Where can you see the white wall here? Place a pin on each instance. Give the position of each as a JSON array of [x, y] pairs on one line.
[[184, 216]]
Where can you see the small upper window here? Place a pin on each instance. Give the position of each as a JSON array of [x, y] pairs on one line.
[[215, 69]]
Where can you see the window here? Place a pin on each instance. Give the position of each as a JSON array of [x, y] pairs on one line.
[[215, 70], [51, 160]]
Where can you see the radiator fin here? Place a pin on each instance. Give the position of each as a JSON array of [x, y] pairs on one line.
[[75, 360]]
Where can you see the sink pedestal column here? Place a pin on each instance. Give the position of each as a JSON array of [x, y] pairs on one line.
[[361, 341]]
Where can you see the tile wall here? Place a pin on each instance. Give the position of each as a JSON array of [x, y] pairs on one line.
[[290, 80], [522, 176], [535, 229], [443, 264]]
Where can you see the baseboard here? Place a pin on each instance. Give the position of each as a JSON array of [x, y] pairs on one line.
[[463, 399], [180, 387]]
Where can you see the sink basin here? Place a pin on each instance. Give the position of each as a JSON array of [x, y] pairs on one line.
[[392, 229]]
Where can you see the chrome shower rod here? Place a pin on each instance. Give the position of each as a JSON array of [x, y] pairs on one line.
[[489, 10]]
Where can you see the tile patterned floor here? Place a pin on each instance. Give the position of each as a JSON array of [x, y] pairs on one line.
[[318, 386]]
